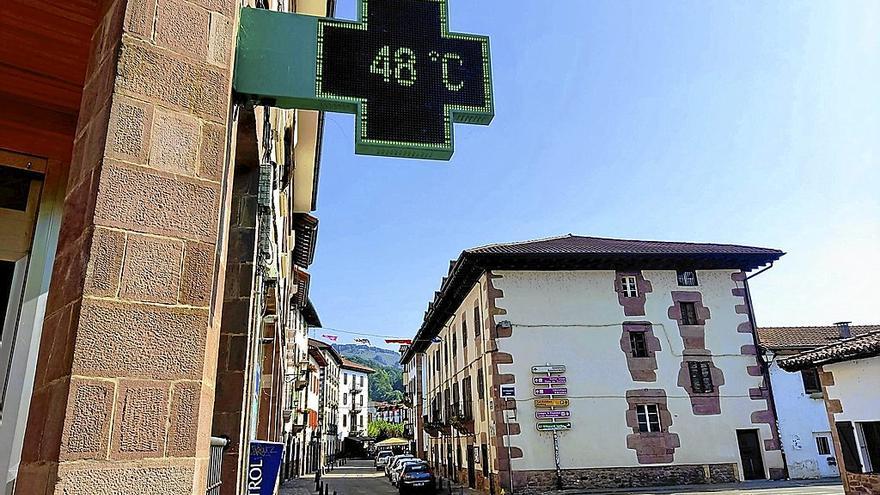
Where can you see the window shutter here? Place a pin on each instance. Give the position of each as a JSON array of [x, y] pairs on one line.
[[848, 447]]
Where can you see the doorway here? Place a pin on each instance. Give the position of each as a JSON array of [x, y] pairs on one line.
[[471, 466], [750, 453], [826, 460]]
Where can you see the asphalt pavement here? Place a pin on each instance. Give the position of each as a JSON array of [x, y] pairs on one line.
[[359, 477]]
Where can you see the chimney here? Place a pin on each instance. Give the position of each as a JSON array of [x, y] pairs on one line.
[[843, 328]]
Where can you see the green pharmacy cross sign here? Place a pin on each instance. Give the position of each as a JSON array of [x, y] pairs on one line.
[[399, 69]]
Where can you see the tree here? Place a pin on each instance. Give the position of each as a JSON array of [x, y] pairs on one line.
[[381, 430]]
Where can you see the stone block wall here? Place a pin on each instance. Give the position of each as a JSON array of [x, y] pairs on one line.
[[125, 378], [540, 482], [862, 483]]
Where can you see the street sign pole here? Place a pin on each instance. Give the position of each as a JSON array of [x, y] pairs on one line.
[[556, 449]]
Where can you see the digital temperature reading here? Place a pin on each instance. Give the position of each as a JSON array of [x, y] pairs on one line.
[[408, 75]]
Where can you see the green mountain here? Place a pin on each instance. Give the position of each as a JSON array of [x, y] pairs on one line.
[[385, 357], [386, 384]]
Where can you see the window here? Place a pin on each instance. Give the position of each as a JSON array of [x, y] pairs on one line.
[[649, 418], [454, 344], [344, 417], [481, 393], [822, 446], [361, 399], [638, 344], [464, 335], [477, 324], [870, 440], [687, 278], [628, 286], [688, 313], [361, 380], [344, 398], [811, 381], [360, 421], [345, 378], [701, 377]]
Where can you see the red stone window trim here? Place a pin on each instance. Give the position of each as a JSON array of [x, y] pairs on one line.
[[640, 346], [632, 299]]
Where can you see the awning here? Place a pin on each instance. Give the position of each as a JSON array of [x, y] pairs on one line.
[[393, 442]]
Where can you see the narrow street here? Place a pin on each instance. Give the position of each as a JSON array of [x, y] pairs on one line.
[[359, 477]]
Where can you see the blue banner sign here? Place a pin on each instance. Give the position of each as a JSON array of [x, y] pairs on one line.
[[263, 468]]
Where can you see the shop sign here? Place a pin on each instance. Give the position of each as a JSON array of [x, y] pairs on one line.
[[551, 391], [263, 467], [550, 368], [544, 403], [557, 426], [553, 380], [552, 414], [508, 391], [398, 68]]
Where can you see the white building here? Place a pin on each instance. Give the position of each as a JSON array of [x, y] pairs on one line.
[[353, 392], [662, 383], [849, 372], [328, 409], [803, 422]]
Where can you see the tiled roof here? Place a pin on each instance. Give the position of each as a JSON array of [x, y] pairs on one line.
[[862, 346], [780, 338], [576, 244], [351, 365]]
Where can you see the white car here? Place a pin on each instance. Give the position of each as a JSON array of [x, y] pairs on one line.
[[382, 457], [391, 464]]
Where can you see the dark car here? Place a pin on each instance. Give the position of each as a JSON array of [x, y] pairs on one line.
[[417, 477]]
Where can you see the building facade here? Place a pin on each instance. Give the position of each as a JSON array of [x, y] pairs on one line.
[[849, 374], [804, 430], [354, 398], [414, 401], [656, 353], [329, 406], [155, 247]]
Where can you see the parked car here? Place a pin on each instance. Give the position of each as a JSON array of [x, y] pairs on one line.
[[393, 463], [416, 476], [382, 457], [397, 470]]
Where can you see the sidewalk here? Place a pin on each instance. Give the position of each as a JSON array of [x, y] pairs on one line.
[[745, 486]]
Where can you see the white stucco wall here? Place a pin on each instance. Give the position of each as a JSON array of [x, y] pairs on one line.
[[345, 407], [574, 318], [801, 417], [852, 382]]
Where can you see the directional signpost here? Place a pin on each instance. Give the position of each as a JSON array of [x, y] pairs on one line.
[[398, 68], [550, 394]]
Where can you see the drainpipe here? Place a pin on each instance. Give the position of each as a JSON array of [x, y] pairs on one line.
[[765, 368]]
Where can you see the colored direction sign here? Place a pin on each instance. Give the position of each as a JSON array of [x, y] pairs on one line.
[[557, 426], [551, 391], [554, 380], [551, 402], [398, 68], [552, 414], [550, 368]]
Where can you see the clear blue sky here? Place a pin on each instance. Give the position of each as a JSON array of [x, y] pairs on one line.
[[744, 122]]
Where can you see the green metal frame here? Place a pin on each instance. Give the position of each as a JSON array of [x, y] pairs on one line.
[[278, 61]]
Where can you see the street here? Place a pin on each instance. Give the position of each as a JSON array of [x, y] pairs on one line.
[[359, 477]]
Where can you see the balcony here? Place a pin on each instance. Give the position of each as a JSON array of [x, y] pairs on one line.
[[462, 418]]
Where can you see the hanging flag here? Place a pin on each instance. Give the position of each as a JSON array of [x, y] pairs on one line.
[[362, 341], [436, 340], [330, 337], [398, 341]]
